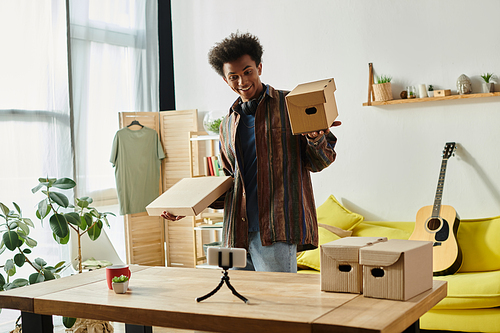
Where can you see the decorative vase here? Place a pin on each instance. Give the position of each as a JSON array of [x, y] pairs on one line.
[[488, 87], [212, 121], [120, 287], [464, 85], [382, 92]]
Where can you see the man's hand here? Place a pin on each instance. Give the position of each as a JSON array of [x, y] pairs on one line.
[[171, 217], [314, 135]]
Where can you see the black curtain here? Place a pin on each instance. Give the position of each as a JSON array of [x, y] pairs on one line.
[[166, 56]]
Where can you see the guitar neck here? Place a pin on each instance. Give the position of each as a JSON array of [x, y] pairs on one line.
[[439, 191]]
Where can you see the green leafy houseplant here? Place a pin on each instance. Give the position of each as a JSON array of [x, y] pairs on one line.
[[15, 237], [84, 219]]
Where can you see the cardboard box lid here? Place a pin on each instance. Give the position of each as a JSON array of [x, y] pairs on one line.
[[190, 196], [388, 253], [347, 248], [312, 93]]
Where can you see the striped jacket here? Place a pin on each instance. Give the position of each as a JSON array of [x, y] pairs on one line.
[[287, 211]]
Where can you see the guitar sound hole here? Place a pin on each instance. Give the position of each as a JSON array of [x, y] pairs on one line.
[[345, 268], [434, 224]]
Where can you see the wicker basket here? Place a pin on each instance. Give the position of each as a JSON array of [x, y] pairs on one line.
[[382, 92]]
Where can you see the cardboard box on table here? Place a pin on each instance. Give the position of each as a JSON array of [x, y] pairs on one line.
[[311, 106], [340, 269], [190, 196], [397, 269]]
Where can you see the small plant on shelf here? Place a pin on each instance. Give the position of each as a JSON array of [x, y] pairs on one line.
[[488, 84], [487, 77], [384, 79]]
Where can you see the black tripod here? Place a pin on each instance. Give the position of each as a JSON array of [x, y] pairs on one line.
[[224, 279]]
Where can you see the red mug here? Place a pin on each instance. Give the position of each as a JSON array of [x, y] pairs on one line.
[[116, 270]]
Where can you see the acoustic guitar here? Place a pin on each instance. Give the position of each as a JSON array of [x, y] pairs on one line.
[[439, 224]]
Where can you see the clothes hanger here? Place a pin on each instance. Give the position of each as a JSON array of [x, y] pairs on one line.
[[135, 122]]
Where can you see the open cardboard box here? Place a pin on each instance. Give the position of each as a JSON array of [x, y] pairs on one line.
[[312, 107], [190, 196]]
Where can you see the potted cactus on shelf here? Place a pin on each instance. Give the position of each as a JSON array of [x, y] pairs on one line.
[[382, 90], [488, 84]]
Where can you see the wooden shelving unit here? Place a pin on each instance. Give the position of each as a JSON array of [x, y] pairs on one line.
[[432, 99]]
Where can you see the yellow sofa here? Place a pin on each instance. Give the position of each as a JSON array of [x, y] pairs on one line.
[[473, 301]]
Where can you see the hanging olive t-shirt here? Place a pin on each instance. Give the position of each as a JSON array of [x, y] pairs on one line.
[[136, 156]]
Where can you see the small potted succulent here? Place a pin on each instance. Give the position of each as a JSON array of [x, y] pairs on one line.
[[382, 90], [488, 84], [120, 284], [430, 91]]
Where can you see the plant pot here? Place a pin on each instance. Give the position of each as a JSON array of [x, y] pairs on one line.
[[382, 92], [430, 93], [488, 87], [120, 287], [212, 120]]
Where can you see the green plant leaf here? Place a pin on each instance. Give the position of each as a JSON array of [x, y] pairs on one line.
[[87, 221], [43, 209], [11, 240], [68, 322], [59, 225], [95, 231], [59, 199], [17, 208], [27, 251], [23, 227], [36, 277], [64, 183], [73, 218], [60, 240], [2, 281], [16, 284], [40, 262], [28, 222], [19, 259], [48, 275], [31, 243], [5, 209], [37, 188], [82, 203], [9, 267]]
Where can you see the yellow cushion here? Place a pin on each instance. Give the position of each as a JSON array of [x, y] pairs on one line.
[[331, 212], [471, 290], [479, 241], [391, 230], [472, 320], [310, 259]]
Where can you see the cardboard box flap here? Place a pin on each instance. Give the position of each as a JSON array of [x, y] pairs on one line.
[[313, 93], [388, 253], [347, 249], [190, 196]]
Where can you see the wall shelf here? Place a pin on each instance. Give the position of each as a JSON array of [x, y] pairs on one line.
[[432, 99]]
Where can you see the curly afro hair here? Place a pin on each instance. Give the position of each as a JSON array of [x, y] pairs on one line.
[[232, 48]]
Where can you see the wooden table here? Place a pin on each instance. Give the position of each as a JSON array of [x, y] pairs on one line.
[[165, 297]]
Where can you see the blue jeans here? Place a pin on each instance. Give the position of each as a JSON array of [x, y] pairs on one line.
[[279, 257]]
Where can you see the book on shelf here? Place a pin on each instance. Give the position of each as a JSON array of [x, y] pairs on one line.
[[213, 166]]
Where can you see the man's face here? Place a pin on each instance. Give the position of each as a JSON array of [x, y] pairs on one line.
[[243, 76]]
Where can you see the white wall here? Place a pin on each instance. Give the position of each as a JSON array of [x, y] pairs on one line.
[[388, 157]]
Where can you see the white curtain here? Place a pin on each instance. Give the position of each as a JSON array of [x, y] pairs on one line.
[[114, 67]]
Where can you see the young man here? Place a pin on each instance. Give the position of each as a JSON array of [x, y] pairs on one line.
[[270, 209]]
